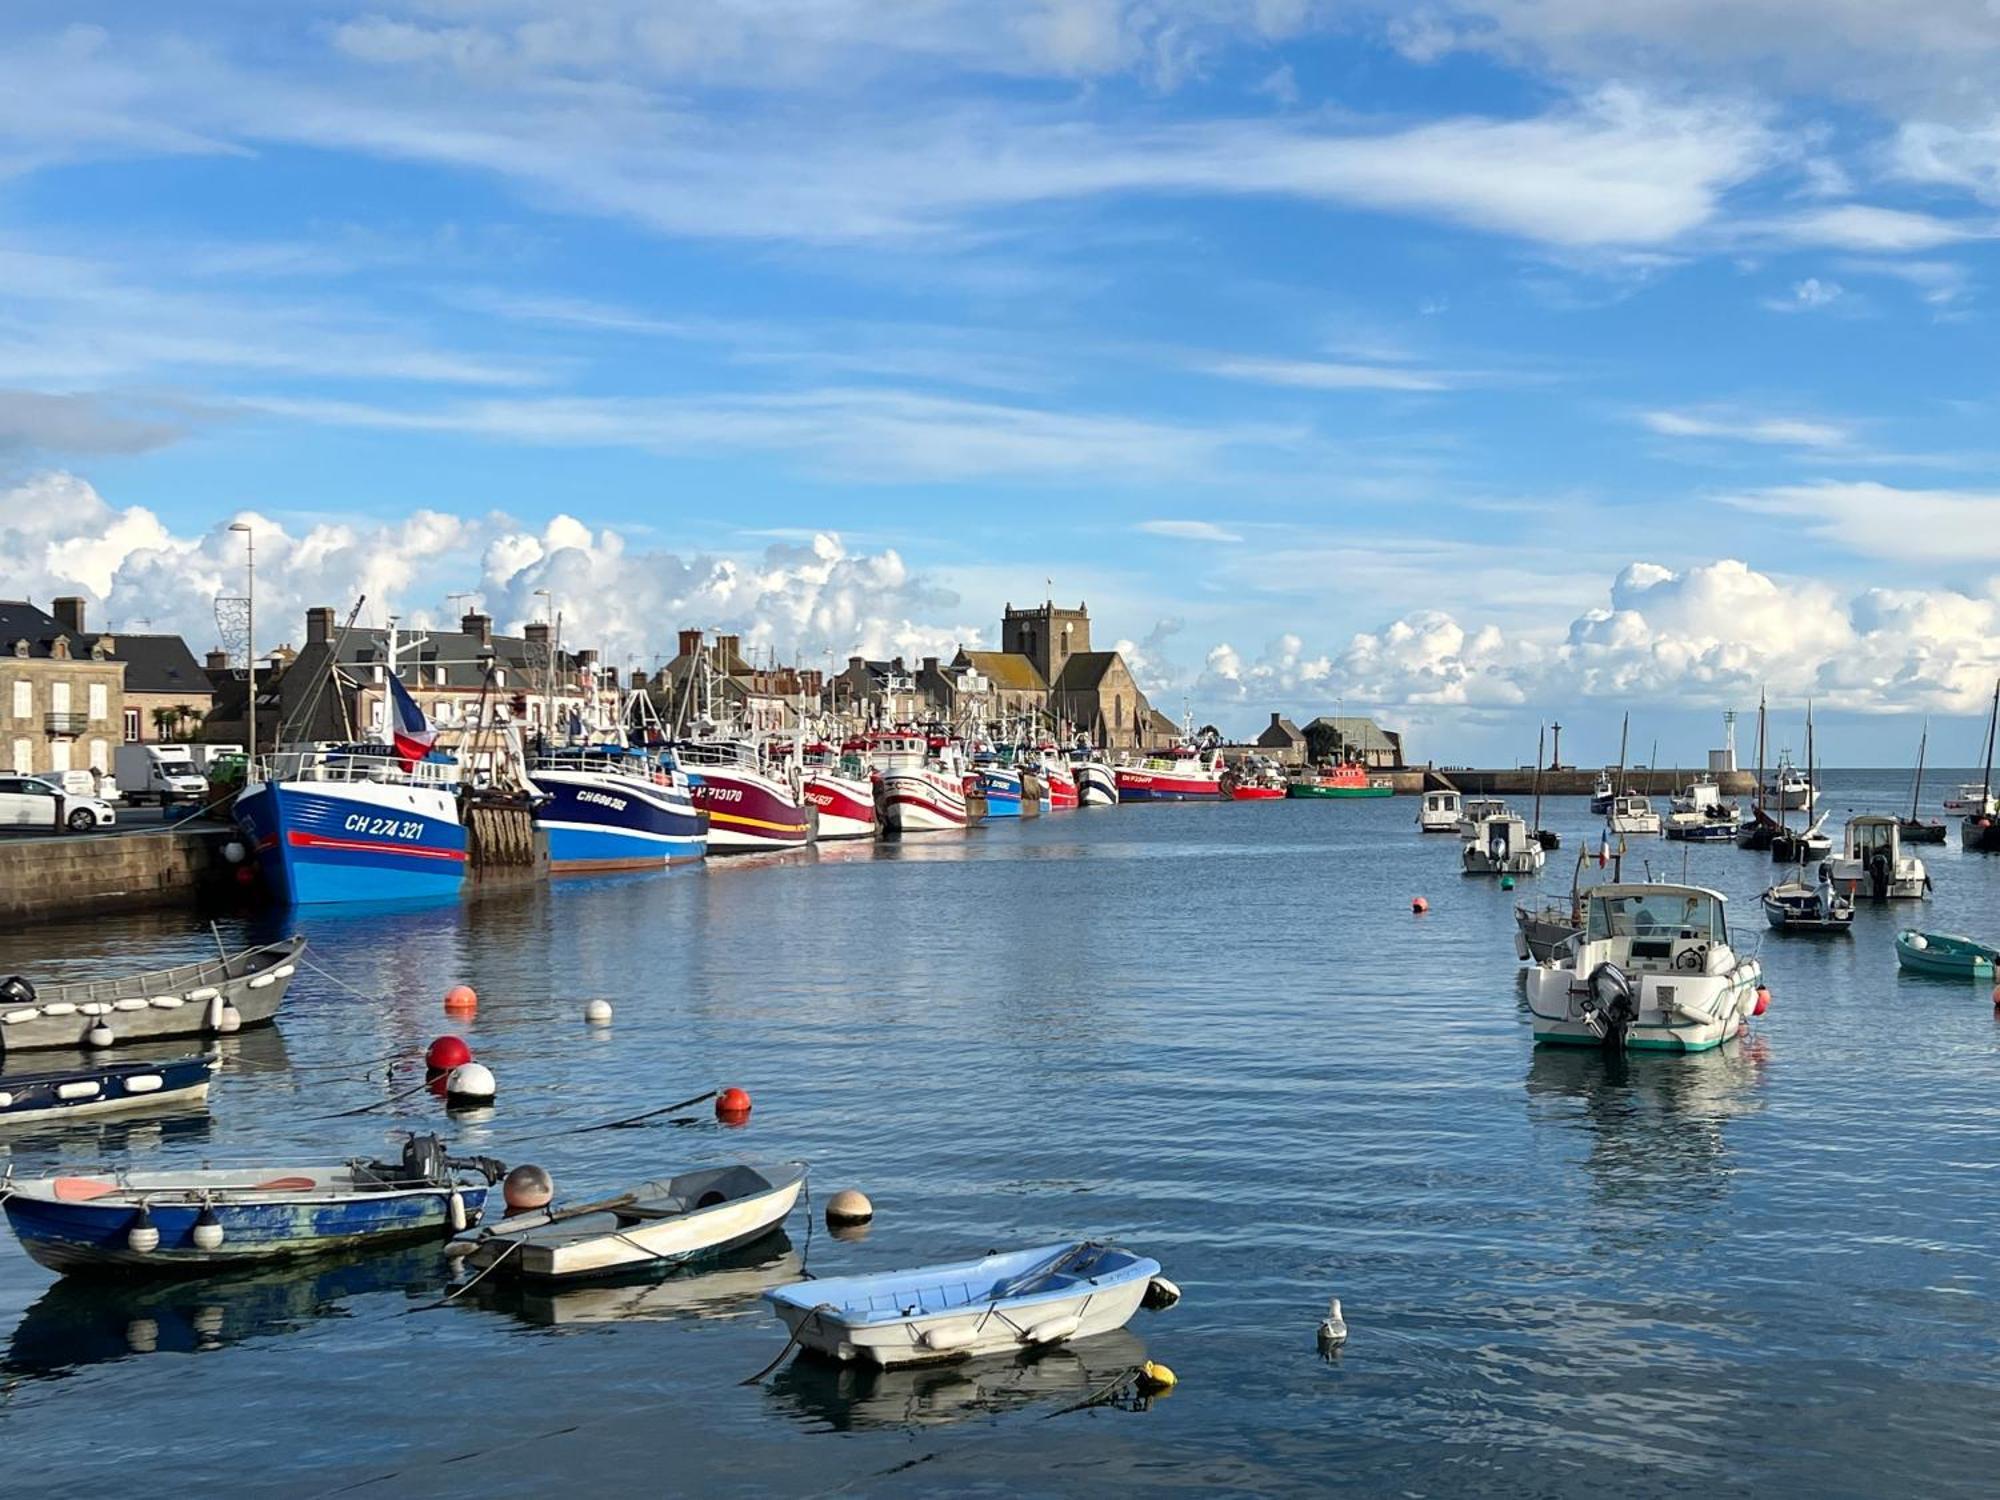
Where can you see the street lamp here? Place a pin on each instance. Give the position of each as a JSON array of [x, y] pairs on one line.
[[250, 633]]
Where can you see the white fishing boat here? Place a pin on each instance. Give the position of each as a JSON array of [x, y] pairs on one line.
[[923, 782], [1503, 845], [1633, 814], [1096, 783], [1872, 861], [1439, 812], [1474, 811], [653, 1227], [1653, 969], [999, 1304], [1602, 791]]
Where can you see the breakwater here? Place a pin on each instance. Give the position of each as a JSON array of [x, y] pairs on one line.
[[1570, 781]]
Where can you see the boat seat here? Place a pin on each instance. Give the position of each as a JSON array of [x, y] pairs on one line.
[[633, 1212]]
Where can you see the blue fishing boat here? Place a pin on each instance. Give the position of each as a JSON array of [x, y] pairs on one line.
[[614, 807], [1000, 783], [57, 1094], [1946, 955], [999, 1304], [164, 1223]]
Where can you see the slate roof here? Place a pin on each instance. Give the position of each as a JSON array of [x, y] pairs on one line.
[[1362, 734], [1007, 670], [1085, 670], [157, 663], [21, 620], [1280, 731]]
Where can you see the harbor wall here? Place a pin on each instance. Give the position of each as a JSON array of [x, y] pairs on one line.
[[42, 879], [1519, 781]]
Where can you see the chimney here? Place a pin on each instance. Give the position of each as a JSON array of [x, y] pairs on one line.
[[729, 649], [931, 665], [536, 634], [218, 661], [68, 611], [854, 664], [690, 643], [638, 679], [1274, 720], [319, 625], [474, 623], [586, 660]]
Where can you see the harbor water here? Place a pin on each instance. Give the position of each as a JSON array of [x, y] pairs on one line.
[[1215, 1033]]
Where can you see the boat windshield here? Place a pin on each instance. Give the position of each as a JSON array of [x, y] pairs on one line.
[[1665, 913], [1864, 839]]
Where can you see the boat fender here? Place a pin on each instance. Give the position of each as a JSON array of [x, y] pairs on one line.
[[1520, 946], [130, 1003], [455, 1206], [143, 1237], [100, 1035], [95, 1008], [205, 993], [214, 1018], [1160, 1295], [59, 1008], [7, 1100], [1763, 1001], [1053, 1330], [954, 1336], [231, 1019], [16, 1017], [284, 971], [144, 1083], [1919, 941], [82, 1088], [263, 981], [207, 1231], [166, 1002]]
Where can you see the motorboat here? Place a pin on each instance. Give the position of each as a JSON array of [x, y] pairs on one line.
[[1872, 861], [103, 1088], [178, 1221], [923, 785], [1503, 845], [999, 1304], [1183, 774], [1346, 779], [1972, 800], [211, 998], [1633, 814], [1946, 955], [1602, 793], [1698, 815], [651, 1228], [1790, 789], [1439, 812], [1258, 779], [1653, 969], [615, 807], [1794, 906], [1474, 811]]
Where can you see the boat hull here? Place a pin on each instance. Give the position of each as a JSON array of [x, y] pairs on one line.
[[1095, 785], [323, 843], [187, 1001], [845, 804], [1314, 789], [1241, 793], [1156, 786], [923, 802], [108, 1088], [1727, 999], [748, 813], [1002, 790], [1946, 956], [596, 823]]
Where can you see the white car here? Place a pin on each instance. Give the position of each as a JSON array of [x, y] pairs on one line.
[[31, 802]]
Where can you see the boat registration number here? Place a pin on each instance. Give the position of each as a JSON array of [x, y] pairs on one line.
[[385, 828]]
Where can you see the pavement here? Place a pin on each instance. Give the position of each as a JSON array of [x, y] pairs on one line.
[[130, 820]]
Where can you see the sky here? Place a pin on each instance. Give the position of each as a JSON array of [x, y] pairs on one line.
[[1471, 364]]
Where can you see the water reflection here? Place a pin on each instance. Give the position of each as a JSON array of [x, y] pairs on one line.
[[842, 1397], [725, 1287], [80, 1321]]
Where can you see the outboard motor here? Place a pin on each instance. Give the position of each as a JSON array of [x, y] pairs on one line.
[[1878, 874], [1611, 1006], [14, 990]]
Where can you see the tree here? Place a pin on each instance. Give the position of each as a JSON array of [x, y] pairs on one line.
[[163, 723]]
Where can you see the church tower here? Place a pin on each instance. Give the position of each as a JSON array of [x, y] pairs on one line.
[[1046, 635]]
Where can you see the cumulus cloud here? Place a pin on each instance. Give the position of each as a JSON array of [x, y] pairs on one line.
[[1283, 668]]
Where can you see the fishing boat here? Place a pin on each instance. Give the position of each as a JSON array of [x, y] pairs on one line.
[[103, 1088], [1947, 955], [615, 807], [1439, 812], [922, 784], [1633, 814], [1502, 845], [1654, 970], [1258, 779], [652, 1228], [1603, 791], [1057, 777], [179, 1221], [1698, 815], [1000, 1304], [1794, 906], [752, 806], [1872, 861], [210, 998], [1790, 788], [998, 779], [1096, 784], [1345, 779], [1916, 828], [1183, 774], [837, 784]]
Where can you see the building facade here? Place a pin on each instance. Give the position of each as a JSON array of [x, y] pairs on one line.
[[62, 694]]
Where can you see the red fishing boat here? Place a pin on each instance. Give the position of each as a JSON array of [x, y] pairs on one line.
[[1258, 779], [1182, 774], [751, 806], [837, 783]]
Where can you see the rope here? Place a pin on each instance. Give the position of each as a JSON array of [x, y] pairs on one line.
[[363, 1109], [636, 1119], [457, 1291], [790, 1344]]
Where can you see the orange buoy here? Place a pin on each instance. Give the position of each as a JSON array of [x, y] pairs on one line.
[[1763, 1001], [446, 1053], [1419, 906], [461, 999], [732, 1106], [1996, 997]]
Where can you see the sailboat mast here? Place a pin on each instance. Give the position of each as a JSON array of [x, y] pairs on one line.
[[1760, 749], [1541, 742], [1917, 792], [1992, 723]]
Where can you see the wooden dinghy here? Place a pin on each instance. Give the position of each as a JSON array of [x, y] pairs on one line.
[[160, 1223], [218, 996], [1948, 955], [652, 1228], [103, 1088], [999, 1304]]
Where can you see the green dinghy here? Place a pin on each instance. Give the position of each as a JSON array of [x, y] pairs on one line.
[[1946, 955]]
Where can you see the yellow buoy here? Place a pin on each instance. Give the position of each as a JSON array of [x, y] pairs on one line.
[[1156, 1377]]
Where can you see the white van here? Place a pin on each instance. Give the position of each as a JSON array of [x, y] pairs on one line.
[[159, 773]]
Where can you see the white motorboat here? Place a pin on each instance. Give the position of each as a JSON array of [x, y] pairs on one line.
[[1476, 810], [1972, 801], [1602, 792], [1503, 845], [1633, 814], [1872, 861], [653, 1227], [1789, 788], [1653, 969], [1439, 812], [1001, 1304], [1794, 906]]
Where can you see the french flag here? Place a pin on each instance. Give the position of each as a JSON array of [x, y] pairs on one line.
[[409, 731]]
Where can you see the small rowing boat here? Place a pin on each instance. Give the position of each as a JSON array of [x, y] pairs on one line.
[[1947, 955], [164, 1223], [1002, 1303], [40, 1098], [654, 1227], [219, 996]]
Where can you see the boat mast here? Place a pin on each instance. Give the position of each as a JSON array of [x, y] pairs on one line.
[[1760, 750], [1541, 743], [1917, 793], [1992, 722]]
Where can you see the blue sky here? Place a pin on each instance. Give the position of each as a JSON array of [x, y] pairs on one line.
[[1469, 364]]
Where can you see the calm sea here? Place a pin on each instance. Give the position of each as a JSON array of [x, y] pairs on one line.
[[1216, 1033]]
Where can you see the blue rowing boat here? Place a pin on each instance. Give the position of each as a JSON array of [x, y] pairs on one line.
[[103, 1088]]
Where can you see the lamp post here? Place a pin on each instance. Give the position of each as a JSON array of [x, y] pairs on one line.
[[250, 634]]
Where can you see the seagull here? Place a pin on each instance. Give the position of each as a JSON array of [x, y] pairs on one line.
[[1333, 1329]]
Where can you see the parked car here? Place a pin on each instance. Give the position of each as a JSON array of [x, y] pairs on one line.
[[32, 802]]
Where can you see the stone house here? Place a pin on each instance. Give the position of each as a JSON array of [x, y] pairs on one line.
[[1350, 737], [717, 678], [1283, 740], [62, 694]]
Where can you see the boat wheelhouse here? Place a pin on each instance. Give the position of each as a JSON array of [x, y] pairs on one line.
[[1439, 812]]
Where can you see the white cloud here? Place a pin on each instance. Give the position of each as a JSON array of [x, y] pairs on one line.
[[1807, 296], [1887, 521], [1325, 375], [1864, 227], [1282, 669], [1791, 432], [1189, 531]]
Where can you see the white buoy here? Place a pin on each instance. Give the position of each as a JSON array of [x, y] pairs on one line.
[[848, 1206], [208, 1231], [598, 1013], [455, 1211], [1333, 1328], [143, 1238], [469, 1083], [100, 1035], [233, 851]]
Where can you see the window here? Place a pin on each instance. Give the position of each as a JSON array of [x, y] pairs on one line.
[[59, 698], [24, 757], [100, 702], [24, 699], [100, 755], [59, 756], [131, 726]]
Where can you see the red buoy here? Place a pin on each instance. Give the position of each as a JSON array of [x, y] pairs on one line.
[[732, 1106], [461, 999], [1419, 906], [446, 1053], [1763, 1001]]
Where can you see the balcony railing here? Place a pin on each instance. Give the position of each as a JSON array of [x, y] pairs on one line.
[[67, 725]]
